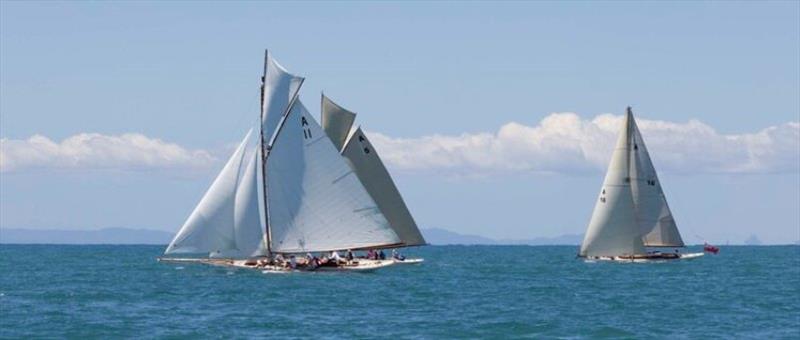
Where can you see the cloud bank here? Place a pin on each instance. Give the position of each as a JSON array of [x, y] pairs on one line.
[[130, 151], [566, 143], [559, 143]]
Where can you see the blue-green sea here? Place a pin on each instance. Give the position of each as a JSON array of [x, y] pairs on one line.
[[459, 292]]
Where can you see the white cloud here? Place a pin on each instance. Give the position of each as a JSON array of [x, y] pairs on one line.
[[560, 143], [565, 143], [130, 151]]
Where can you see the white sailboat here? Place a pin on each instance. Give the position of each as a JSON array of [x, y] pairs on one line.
[[310, 200], [363, 158], [631, 213]]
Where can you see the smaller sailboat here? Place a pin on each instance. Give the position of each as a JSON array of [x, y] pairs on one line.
[[631, 218], [363, 158]]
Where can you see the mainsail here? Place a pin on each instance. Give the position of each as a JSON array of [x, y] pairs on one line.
[[613, 229], [218, 224], [336, 121], [364, 159], [652, 212], [632, 211], [315, 200]]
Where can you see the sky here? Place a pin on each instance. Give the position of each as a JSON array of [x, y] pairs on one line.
[[496, 119]]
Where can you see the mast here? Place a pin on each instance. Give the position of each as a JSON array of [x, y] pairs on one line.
[[628, 137], [267, 141], [268, 236]]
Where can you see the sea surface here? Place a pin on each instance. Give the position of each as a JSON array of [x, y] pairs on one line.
[[459, 292]]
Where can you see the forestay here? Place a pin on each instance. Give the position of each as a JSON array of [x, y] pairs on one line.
[[315, 201], [212, 226], [364, 159], [653, 215], [336, 121], [613, 229]]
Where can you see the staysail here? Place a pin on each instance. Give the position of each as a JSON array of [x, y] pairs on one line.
[[315, 200], [250, 240], [336, 121], [364, 159], [212, 225], [613, 229], [653, 215]]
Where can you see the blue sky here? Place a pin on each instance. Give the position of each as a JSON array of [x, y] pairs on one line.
[[717, 81]]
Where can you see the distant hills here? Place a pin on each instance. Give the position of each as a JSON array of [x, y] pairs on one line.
[[437, 236], [434, 236]]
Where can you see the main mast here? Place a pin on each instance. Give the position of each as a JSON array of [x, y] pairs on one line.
[[268, 235], [268, 140], [629, 154]]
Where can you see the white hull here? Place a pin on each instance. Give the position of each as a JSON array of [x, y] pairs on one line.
[[688, 256], [360, 265], [408, 261]]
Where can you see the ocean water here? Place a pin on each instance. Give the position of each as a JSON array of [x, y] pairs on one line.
[[459, 292]]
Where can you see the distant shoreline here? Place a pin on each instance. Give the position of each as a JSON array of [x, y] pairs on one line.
[[140, 236]]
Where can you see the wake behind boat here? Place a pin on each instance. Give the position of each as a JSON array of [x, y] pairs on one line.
[[297, 189], [631, 218]]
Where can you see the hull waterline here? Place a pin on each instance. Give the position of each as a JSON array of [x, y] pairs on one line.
[[360, 265], [643, 259]]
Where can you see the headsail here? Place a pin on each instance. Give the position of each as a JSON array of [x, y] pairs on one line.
[[613, 230], [210, 227], [316, 202], [336, 121], [280, 87], [653, 215], [248, 227], [368, 166]]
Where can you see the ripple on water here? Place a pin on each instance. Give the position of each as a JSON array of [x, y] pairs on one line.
[[471, 292]]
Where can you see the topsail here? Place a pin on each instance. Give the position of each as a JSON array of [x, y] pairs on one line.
[[336, 121], [280, 88]]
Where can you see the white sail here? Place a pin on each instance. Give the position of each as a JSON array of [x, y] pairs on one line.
[[364, 159], [315, 201], [336, 121], [655, 220], [280, 87], [210, 227], [613, 230], [249, 230]]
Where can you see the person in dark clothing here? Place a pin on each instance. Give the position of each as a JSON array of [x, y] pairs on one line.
[[349, 255]]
